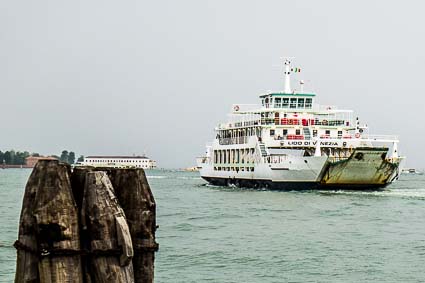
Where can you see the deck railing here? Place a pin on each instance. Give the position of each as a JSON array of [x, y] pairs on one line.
[[235, 140], [289, 105], [380, 137]]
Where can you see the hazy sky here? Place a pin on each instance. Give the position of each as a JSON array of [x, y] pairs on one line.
[[124, 77]]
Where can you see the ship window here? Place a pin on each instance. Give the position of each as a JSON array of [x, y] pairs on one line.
[[293, 103], [308, 103], [271, 133], [285, 132], [262, 102], [314, 133], [277, 102], [300, 102], [327, 132], [298, 132], [285, 102], [339, 134]]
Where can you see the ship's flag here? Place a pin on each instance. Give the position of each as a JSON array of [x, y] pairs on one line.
[[296, 70]]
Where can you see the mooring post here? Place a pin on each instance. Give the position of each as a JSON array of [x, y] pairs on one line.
[[110, 240], [49, 219], [78, 181], [91, 225], [57, 221], [26, 245], [136, 198]]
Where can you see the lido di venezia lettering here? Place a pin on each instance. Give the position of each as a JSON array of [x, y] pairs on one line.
[[313, 143]]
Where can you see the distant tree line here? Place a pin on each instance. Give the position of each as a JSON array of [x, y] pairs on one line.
[[12, 157], [67, 157]]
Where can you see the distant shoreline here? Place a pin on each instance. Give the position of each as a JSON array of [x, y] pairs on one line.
[[15, 166]]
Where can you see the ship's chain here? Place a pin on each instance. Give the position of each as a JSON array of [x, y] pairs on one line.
[[145, 246]]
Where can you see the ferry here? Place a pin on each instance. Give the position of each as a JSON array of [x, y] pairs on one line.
[[290, 142]]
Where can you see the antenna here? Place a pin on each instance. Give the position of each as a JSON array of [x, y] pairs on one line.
[[287, 72], [301, 86]]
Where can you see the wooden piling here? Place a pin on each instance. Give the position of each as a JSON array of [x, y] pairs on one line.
[[78, 181], [91, 225], [110, 240], [26, 245], [57, 221], [50, 217], [136, 198]]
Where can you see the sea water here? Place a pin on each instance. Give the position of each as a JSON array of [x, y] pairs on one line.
[[222, 234]]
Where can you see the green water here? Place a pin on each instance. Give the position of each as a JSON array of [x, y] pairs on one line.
[[213, 234]]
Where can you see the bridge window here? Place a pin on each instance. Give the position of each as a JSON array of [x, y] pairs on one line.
[[293, 103], [277, 102], [285, 102], [308, 103], [300, 102]]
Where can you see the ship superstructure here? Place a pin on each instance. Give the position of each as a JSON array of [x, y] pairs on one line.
[[290, 142]]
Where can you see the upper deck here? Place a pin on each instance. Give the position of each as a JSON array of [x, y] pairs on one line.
[[290, 115], [278, 113]]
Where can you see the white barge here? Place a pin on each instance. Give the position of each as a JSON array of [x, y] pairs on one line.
[[290, 142], [121, 161]]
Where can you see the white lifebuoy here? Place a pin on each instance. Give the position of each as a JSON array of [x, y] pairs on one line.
[[236, 108], [357, 135]]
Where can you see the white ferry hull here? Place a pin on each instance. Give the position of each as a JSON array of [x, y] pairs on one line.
[[294, 173], [371, 171]]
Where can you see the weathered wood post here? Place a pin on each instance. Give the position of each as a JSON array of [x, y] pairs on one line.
[[50, 217], [89, 226], [78, 181], [110, 239], [136, 198], [26, 245]]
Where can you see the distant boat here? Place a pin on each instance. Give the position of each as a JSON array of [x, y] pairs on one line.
[[192, 169], [119, 161], [411, 171]]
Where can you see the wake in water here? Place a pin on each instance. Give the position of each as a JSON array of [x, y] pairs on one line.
[[404, 193], [156, 177], [398, 189]]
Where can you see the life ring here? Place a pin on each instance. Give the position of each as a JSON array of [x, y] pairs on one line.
[[325, 122], [236, 108], [357, 135]]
